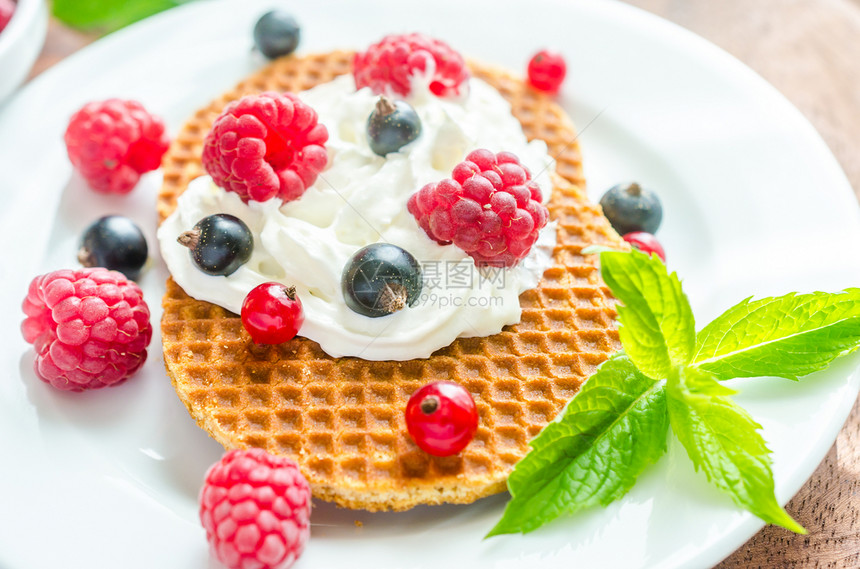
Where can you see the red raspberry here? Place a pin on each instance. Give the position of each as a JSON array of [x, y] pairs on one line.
[[386, 67], [90, 328], [113, 142], [491, 209], [266, 146], [7, 8], [255, 508]]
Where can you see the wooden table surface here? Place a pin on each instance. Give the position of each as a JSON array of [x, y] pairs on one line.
[[810, 51]]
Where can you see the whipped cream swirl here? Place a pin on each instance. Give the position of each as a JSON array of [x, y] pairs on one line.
[[361, 199]]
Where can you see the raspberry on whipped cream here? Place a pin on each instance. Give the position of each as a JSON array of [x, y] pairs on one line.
[[308, 241], [387, 67], [266, 146], [491, 209]]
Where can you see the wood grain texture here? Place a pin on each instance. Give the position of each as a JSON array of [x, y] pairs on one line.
[[59, 44], [810, 51]]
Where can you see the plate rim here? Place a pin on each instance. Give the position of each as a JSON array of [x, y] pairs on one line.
[[750, 526]]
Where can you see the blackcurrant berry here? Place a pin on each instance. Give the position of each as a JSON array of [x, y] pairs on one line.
[[630, 207], [116, 243], [219, 244], [381, 279], [391, 126], [276, 33]]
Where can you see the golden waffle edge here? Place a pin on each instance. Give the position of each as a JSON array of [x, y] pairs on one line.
[[341, 419]]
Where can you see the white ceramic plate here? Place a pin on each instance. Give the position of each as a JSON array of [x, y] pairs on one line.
[[754, 204], [20, 43]]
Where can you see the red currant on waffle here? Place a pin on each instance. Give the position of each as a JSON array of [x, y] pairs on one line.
[[266, 146], [272, 313], [491, 209], [546, 71], [441, 418], [387, 67]]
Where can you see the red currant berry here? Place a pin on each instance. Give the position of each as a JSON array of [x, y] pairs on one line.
[[646, 243], [547, 70], [272, 313], [441, 418]]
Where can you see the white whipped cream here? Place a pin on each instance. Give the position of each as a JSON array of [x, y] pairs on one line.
[[361, 199]]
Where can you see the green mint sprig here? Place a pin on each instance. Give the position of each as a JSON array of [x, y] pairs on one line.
[[723, 441], [667, 375], [658, 331], [595, 451], [107, 15], [789, 336]]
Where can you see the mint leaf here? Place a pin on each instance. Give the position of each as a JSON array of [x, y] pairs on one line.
[[617, 424], [657, 328], [107, 15], [787, 336], [723, 441], [597, 249], [605, 437]]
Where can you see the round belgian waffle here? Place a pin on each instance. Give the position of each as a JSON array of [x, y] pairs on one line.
[[341, 419]]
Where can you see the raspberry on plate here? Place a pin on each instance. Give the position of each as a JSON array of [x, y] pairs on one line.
[[266, 146], [387, 67], [491, 209], [255, 508], [111, 143], [7, 9], [90, 328]]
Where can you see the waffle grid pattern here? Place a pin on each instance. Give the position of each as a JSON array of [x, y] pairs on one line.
[[341, 419]]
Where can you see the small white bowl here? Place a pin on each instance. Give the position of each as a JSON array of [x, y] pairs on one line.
[[20, 43]]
